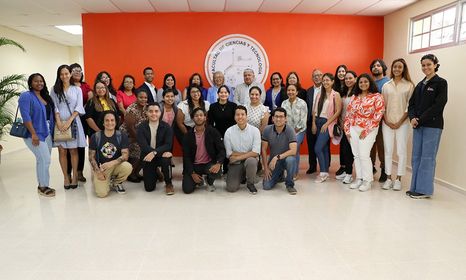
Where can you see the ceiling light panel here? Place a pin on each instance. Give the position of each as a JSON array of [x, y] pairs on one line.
[[207, 5], [243, 5], [314, 6], [278, 6], [170, 5]]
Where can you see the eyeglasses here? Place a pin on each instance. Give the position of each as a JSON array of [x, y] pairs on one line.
[[76, 70]]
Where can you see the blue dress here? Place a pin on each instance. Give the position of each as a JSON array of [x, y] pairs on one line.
[[75, 100]]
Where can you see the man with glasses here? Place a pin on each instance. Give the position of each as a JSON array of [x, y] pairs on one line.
[[311, 96]]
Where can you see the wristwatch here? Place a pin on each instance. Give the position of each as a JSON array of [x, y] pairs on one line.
[[278, 156]]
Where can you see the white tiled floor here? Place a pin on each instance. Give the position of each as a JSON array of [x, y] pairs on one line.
[[325, 232]]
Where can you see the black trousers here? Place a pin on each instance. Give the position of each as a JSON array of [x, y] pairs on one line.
[[346, 155], [188, 183], [150, 177], [311, 142], [81, 159]]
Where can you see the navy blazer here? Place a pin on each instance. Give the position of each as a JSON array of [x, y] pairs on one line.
[[146, 88], [310, 103], [278, 100]]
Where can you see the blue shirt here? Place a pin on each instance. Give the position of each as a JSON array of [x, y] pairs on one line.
[[381, 82], [212, 95], [32, 110]]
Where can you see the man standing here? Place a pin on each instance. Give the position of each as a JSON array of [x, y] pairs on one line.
[[311, 96], [241, 95], [378, 69], [203, 153], [148, 86], [242, 144], [282, 142], [155, 137], [219, 80]]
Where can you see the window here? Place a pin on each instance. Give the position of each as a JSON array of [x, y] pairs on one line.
[[442, 27]]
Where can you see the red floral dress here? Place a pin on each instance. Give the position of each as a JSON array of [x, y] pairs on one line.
[[365, 112]]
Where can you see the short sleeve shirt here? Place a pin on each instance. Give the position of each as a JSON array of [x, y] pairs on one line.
[[278, 142], [184, 107], [108, 148], [255, 114]]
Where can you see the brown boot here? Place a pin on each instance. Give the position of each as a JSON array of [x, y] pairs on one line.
[[169, 189]]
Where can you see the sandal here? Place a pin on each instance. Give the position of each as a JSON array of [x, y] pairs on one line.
[[46, 191]]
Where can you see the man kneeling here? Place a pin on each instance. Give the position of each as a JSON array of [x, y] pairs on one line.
[[155, 137], [203, 153], [108, 154], [242, 144]]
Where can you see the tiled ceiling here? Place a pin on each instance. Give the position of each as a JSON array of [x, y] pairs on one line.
[[38, 17]]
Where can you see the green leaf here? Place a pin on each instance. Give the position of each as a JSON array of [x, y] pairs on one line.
[[5, 41]]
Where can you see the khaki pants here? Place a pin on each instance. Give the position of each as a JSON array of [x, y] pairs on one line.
[[119, 172]]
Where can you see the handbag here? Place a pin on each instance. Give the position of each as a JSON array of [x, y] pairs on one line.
[[18, 129], [337, 130], [68, 134]]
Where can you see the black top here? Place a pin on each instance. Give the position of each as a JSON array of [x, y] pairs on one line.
[[108, 148], [163, 141], [92, 113], [48, 110], [428, 101], [222, 116], [213, 144]]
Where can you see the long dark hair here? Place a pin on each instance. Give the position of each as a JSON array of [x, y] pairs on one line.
[[281, 78], [298, 84], [192, 77], [323, 93], [164, 86], [382, 63], [337, 85], [345, 88], [190, 100], [58, 86], [44, 93], [405, 73], [76, 65], [122, 86], [110, 86], [372, 84]]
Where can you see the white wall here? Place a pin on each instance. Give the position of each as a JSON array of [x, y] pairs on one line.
[[41, 56], [452, 152]]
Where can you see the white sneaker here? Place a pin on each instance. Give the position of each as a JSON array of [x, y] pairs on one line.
[[397, 185], [388, 184], [356, 184], [321, 178], [365, 186], [348, 179], [341, 176], [210, 188]]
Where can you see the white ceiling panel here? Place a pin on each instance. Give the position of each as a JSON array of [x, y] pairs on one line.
[[134, 6], [243, 5], [385, 7], [207, 5], [100, 6], [278, 6], [350, 6], [314, 6], [58, 6], [170, 5]]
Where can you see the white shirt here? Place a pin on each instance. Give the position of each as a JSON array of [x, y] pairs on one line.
[[242, 141], [184, 107], [316, 92], [241, 95], [152, 90]]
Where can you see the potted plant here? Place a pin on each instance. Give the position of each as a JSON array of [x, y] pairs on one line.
[[9, 89]]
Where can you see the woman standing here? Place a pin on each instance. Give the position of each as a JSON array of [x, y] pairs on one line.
[[77, 78], [105, 77], [37, 111], [97, 106], [426, 115], [168, 107], [296, 111], [363, 115], [275, 95], [346, 154], [135, 115], [125, 95], [293, 79], [169, 82], [68, 106], [222, 115], [325, 115], [340, 73], [195, 79], [258, 113], [395, 126]]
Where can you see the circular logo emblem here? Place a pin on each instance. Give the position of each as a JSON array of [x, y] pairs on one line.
[[232, 54]]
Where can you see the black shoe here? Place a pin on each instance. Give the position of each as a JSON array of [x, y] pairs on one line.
[[67, 187], [374, 170], [133, 179], [311, 170], [417, 195], [291, 190], [73, 186], [251, 188], [383, 177], [243, 181], [408, 193], [340, 171]]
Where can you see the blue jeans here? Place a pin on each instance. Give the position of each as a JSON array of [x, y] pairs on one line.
[[288, 164], [42, 153], [425, 146], [299, 140], [321, 147]]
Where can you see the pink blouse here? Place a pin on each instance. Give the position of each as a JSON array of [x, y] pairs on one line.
[[365, 112], [125, 99]]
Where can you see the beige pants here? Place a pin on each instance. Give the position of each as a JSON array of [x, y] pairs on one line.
[[119, 172]]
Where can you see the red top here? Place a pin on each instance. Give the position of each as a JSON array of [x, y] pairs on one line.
[[365, 112], [125, 99], [85, 88]]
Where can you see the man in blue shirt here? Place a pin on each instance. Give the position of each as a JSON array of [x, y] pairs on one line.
[[379, 69]]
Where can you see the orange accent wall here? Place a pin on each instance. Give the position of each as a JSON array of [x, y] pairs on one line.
[[125, 43]]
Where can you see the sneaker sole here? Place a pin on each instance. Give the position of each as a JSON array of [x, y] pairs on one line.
[[420, 197]]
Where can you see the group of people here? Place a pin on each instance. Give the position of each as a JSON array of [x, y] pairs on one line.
[[243, 133]]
